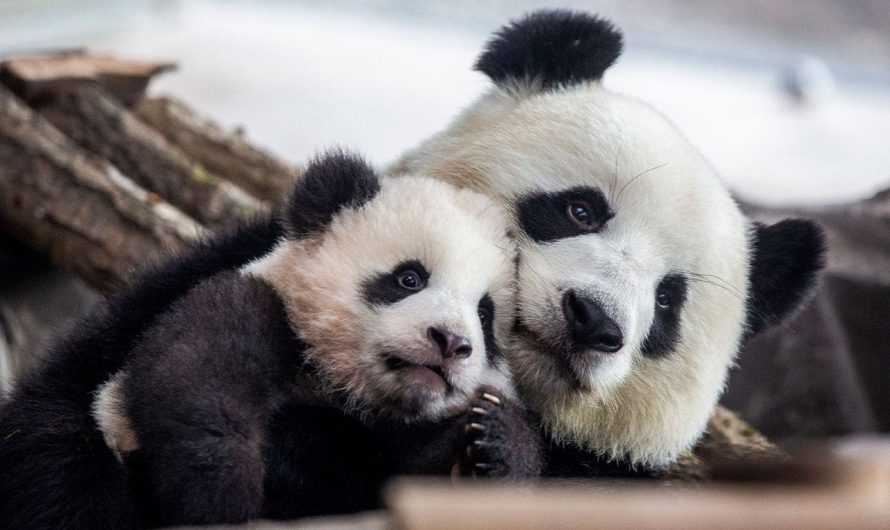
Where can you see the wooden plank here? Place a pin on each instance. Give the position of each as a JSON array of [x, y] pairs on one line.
[[39, 76]]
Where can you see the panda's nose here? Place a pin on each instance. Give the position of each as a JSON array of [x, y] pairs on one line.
[[449, 344], [589, 324]]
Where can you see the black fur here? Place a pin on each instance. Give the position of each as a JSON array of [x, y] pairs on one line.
[[344, 458], [568, 461], [785, 262], [486, 316], [384, 288], [51, 451], [552, 47], [331, 182], [665, 330], [545, 216], [200, 390]]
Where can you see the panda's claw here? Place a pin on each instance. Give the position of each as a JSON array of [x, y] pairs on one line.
[[492, 398], [476, 426], [480, 411]]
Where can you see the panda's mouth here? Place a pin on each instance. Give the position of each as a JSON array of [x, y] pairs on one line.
[[561, 357], [429, 375]]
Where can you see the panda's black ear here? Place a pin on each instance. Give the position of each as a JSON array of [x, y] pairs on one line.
[[786, 259], [331, 182], [551, 48]]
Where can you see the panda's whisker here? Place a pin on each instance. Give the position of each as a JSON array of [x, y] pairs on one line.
[[726, 284], [534, 271], [720, 286], [735, 294], [631, 181], [613, 182]]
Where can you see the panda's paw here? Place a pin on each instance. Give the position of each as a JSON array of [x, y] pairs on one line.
[[499, 441], [483, 448]]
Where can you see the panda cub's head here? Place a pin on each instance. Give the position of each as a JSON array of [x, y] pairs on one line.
[[638, 274], [401, 288]]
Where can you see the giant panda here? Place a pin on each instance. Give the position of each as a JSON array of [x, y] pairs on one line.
[[378, 312], [638, 275]]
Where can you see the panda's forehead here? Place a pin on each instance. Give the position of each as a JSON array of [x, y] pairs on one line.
[[419, 219]]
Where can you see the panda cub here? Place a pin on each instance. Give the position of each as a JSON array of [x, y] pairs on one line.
[[384, 305], [638, 276]]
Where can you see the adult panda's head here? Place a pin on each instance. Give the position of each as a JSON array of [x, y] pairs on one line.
[[638, 275], [401, 288]]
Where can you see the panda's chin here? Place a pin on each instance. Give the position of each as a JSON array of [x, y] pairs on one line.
[[600, 372], [415, 391]]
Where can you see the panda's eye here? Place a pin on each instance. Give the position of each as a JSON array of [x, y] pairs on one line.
[[410, 280], [663, 300], [580, 213], [484, 316]]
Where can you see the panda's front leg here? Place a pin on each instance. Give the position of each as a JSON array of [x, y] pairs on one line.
[[500, 439], [203, 465]]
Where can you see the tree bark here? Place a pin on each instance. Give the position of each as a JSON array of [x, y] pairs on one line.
[[225, 154], [76, 208], [102, 125]]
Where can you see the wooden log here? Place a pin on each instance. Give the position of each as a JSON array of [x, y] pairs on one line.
[[729, 442], [426, 505], [40, 76], [223, 153], [76, 208], [102, 125]]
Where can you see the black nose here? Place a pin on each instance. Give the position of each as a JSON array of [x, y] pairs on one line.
[[589, 324], [450, 345]]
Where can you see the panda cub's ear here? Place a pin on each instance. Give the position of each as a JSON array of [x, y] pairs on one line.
[[551, 48], [786, 259], [332, 182]]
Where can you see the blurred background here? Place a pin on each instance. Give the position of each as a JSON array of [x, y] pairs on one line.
[[790, 100]]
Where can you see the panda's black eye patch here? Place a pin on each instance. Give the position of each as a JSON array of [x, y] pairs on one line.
[[664, 333], [486, 318], [551, 216], [402, 281]]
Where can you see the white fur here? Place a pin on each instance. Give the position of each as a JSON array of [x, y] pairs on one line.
[[109, 412], [672, 215], [459, 236]]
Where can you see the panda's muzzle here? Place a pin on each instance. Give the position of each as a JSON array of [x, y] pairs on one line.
[[590, 327]]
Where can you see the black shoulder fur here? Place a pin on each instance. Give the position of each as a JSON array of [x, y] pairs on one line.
[[553, 47], [200, 390]]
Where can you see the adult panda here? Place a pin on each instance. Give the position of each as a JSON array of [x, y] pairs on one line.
[[638, 275], [378, 315]]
